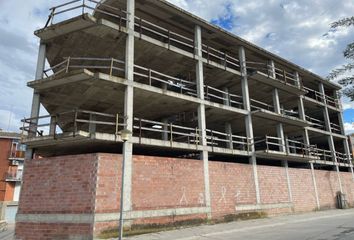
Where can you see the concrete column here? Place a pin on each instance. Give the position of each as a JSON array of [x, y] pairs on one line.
[[297, 79], [36, 96], [248, 118], [165, 130], [315, 186], [228, 130], [92, 126], [341, 123], [52, 126], [286, 166], [226, 97], [128, 105], [336, 167], [201, 113], [302, 114], [330, 138], [271, 67], [325, 110], [280, 129]]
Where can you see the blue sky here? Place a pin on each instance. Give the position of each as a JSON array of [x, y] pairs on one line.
[[296, 30]]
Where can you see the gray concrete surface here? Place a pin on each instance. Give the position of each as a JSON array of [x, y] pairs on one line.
[[327, 225], [9, 233]]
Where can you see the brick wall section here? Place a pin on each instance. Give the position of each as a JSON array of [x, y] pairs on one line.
[[303, 190], [59, 185], [328, 186], [167, 183], [231, 184], [108, 187], [273, 184], [35, 231], [6, 188], [91, 184], [348, 186]]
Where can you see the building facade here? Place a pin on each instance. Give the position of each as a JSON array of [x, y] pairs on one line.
[[219, 125], [12, 155]]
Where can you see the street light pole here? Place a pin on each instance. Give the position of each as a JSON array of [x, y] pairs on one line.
[[125, 135], [121, 198]]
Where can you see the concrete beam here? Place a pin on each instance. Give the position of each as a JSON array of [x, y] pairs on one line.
[[201, 113]]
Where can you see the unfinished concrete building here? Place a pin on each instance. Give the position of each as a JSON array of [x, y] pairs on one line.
[[203, 105]]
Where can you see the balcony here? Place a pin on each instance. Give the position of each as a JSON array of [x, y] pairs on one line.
[[264, 110], [316, 123], [12, 176], [320, 98], [148, 77], [153, 33], [78, 126], [335, 128], [17, 155]]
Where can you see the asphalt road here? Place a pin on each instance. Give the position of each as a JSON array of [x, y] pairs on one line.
[[326, 225]]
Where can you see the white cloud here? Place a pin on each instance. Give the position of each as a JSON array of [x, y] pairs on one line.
[[349, 128]]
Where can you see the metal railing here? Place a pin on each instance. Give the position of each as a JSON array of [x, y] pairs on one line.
[[258, 105], [110, 66], [316, 123], [13, 176], [78, 7], [221, 57], [289, 146], [289, 113], [115, 67], [73, 121], [277, 73], [224, 140], [335, 128], [319, 97], [17, 154], [343, 158], [165, 131], [144, 27]]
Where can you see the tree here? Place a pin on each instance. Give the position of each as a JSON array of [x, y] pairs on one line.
[[346, 78]]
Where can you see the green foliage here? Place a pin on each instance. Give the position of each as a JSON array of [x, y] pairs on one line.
[[345, 81], [345, 22]]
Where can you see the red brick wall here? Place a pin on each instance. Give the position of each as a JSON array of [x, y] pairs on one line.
[[302, 189], [6, 189], [91, 184], [273, 184], [328, 186], [167, 183], [231, 184], [59, 185], [108, 183], [348, 186], [42, 231]]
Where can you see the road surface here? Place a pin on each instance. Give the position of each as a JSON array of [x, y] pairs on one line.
[[326, 225]]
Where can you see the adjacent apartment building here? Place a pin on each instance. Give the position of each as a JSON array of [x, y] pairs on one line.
[[220, 126], [12, 155]]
